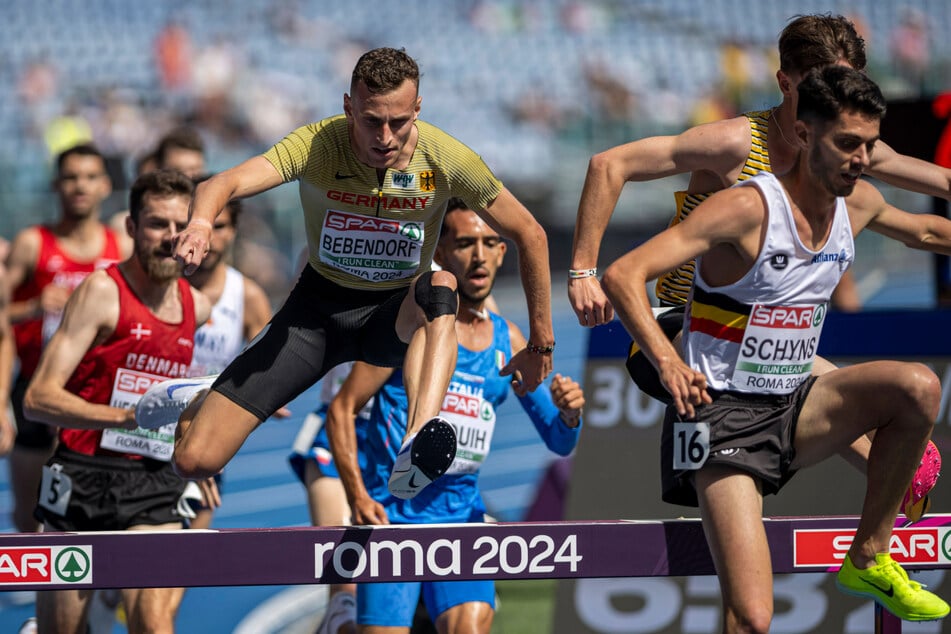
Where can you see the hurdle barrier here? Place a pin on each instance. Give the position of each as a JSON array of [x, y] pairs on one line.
[[516, 550]]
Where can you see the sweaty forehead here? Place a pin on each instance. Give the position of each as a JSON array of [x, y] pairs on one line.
[[400, 99], [858, 123], [467, 223]]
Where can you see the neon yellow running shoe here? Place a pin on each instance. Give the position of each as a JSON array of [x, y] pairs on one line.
[[888, 584]]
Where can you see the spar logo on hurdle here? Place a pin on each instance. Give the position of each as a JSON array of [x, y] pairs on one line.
[[827, 548], [46, 565]]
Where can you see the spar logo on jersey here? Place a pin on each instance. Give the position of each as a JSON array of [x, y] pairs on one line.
[[46, 565], [135, 382], [464, 404], [827, 548], [412, 231], [797, 317], [350, 222]]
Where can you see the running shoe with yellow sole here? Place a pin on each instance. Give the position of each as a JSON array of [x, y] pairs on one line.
[[888, 584], [916, 502]]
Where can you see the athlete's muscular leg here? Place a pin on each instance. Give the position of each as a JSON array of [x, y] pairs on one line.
[[26, 473], [327, 503], [900, 402], [152, 610], [326, 498], [62, 610], [855, 454], [210, 431], [474, 617], [731, 505], [430, 331]]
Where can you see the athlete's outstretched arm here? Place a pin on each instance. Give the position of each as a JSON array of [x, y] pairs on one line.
[[251, 177], [555, 411], [731, 219], [714, 148], [868, 208], [512, 220], [909, 173]]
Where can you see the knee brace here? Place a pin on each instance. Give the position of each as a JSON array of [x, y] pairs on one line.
[[435, 301]]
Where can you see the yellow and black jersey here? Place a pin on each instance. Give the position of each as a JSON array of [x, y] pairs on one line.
[[672, 288], [362, 234]]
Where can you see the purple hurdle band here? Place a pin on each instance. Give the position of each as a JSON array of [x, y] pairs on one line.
[[290, 556]]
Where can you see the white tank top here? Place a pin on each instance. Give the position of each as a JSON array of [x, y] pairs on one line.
[[760, 334], [221, 338]]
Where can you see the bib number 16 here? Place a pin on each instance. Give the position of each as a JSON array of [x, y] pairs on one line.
[[691, 445]]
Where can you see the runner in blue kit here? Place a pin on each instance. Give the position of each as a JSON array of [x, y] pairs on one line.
[[472, 251]]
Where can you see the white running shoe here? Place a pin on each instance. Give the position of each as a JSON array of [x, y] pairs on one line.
[[28, 626], [341, 610], [423, 457], [164, 402]]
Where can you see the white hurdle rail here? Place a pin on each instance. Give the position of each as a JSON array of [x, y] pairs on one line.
[[516, 550]]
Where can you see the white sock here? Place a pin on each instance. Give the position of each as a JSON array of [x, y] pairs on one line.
[[341, 610]]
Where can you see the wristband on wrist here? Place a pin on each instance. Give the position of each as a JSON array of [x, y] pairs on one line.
[[531, 347], [577, 274], [202, 221]]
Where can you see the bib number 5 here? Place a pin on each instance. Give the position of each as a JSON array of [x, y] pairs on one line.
[[55, 489], [691, 445]]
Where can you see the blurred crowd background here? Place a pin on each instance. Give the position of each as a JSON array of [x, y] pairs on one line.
[[535, 86]]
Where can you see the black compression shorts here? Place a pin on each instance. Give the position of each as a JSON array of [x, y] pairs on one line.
[[322, 324]]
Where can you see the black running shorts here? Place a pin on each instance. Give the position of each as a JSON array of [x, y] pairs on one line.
[[752, 433], [322, 324], [111, 493], [30, 434]]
